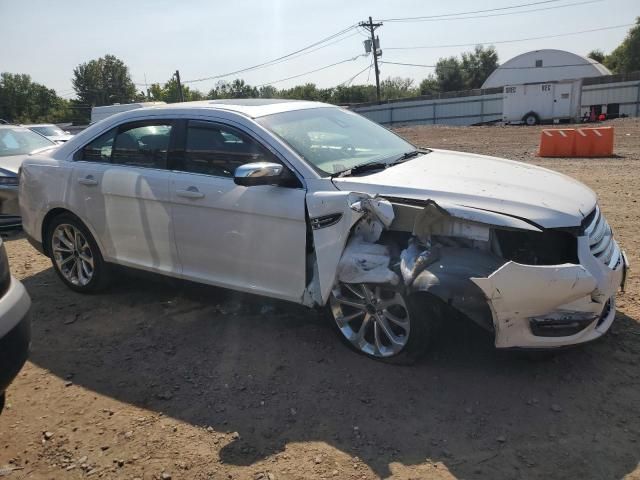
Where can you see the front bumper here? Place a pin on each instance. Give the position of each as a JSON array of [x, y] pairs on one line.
[[15, 332], [553, 305]]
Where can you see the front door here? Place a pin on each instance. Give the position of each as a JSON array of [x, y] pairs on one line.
[[246, 238], [122, 188]]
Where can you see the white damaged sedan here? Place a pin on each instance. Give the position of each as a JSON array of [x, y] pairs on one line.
[[317, 205]]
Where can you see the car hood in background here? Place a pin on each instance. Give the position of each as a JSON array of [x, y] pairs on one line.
[[544, 197], [12, 163], [60, 138]]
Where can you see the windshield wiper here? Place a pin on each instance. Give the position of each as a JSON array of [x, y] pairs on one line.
[[408, 155], [364, 167]]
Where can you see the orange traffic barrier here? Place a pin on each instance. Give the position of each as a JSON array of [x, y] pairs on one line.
[[557, 142], [594, 142], [581, 142]]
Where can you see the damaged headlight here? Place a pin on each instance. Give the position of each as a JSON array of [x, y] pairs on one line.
[[550, 247]]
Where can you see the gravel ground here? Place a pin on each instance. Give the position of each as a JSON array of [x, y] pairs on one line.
[[165, 379]]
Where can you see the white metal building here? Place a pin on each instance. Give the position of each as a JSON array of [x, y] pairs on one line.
[[544, 66]]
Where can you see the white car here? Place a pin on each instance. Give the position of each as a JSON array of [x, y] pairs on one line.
[[51, 131], [311, 203], [15, 325], [16, 143]]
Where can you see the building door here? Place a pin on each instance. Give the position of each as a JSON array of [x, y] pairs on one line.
[[562, 100]]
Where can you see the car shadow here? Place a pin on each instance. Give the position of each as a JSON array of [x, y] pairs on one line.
[[275, 373]]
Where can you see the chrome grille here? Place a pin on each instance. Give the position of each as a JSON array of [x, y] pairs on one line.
[[601, 241]]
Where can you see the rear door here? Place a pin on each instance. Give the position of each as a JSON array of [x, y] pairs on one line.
[[121, 186], [246, 238], [562, 100]]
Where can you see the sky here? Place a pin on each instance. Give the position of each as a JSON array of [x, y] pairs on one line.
[[204, 38]]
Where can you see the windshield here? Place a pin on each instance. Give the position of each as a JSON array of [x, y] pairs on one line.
[[20, 141], [334, 140], [48, 130]]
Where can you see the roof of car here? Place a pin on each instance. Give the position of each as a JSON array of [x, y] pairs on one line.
[[29, 125], [252, 107]]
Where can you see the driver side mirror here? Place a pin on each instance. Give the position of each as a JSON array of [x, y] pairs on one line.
[[258, 173]]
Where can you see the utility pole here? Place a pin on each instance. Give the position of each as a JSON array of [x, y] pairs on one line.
[[375, 49], [180, 94]]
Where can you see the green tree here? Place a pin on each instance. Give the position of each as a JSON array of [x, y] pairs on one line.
[[24, 101], [597, 55], [478, 65], [353, 94], [103, 82], [450, 75], [169, 92], [308, 91], [626, 57], [240, 89], [397, 87], [429, 86], [268, 91]]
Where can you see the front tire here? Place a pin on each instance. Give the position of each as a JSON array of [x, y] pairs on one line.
[[75, 255], [384, 323]]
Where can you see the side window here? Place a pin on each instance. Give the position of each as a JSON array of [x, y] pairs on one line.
[[99, 150], [142, 145], [214, 149]]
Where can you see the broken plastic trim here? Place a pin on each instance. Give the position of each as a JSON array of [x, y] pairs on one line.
[[363, 260]]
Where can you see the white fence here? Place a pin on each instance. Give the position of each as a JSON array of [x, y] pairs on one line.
[[620, 92], [449, 111]]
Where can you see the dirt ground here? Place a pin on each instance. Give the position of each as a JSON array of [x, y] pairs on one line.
[[165, 379]]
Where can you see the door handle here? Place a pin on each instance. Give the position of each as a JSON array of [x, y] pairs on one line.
[[191, 192], [88, 180]]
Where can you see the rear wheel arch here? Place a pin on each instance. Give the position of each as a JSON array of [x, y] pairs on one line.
[[53, 214], [72, 247], [46, 223]]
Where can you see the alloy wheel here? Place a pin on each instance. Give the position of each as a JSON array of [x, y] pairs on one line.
[[72, 254], [374, 318]]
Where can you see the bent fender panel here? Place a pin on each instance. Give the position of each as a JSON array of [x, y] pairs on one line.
[[330, 240], [336, 217]]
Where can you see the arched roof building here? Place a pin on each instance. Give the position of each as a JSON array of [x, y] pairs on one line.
[[544, 66]]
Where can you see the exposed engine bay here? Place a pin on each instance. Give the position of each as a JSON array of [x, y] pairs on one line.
[[532, 287]]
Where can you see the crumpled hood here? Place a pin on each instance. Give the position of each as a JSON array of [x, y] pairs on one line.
[[544, 197]]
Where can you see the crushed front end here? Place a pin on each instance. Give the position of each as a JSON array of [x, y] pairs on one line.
[[533, 287], [554, 305]]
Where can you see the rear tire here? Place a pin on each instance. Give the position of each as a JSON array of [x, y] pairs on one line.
[[75, 255], [383, 323], [531, 119]]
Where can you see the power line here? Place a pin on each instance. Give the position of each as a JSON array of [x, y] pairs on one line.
[[401, 19], [290, 58], [275, 60], [512, 41], [437, 19], [497, 68], [312, 71], [351, 79]]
